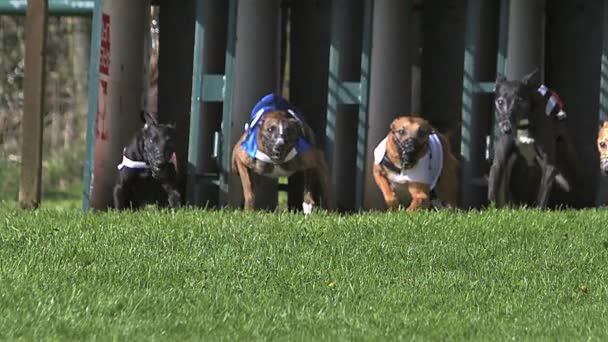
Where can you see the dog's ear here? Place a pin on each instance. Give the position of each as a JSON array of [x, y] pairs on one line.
[[603, 125], [533, 78], [424, 130], [147, 119]]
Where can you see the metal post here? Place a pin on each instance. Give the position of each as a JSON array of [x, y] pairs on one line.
[[33, 111], [390, 81], [256, 69], [93, 86], [347, 21], [477, 110], [205, 112], [526, 43], [443, 42], [176, 43], [575, 52], [309, 48], [119, 95], [226, 126]]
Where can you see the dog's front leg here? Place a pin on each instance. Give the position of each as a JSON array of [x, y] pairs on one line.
[[546, 181], [308, 202], [390, 198], [174, 198], [120, 200], [121, 192], [504, 147], [248, 186], [420, 196]]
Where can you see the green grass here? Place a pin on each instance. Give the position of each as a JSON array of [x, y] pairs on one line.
[[227, 275]]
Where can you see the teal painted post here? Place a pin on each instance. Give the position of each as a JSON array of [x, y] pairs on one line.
[[366, 56], [226, 135], [89, 162], [194, 156]]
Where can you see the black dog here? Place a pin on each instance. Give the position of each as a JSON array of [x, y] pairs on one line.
[[530, 128], [147, 173]]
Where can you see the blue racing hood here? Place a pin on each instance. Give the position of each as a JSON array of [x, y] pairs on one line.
[[270, 103]]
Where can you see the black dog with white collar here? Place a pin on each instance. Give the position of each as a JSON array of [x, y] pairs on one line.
[[147, 173], [530, 121]]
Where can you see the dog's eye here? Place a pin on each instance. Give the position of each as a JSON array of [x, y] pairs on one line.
[[500, 102], [401, 131], [603, 145], [270, 129]]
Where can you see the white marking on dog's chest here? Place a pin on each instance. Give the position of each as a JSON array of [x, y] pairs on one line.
[[278, 171], [525, 143]]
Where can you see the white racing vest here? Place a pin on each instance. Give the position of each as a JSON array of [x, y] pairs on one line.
[[427, 170]]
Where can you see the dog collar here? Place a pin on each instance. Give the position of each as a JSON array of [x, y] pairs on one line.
[[134, 164], [265, 158]]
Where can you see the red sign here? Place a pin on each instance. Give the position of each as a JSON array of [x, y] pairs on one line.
[[104, 58], [100, 119]]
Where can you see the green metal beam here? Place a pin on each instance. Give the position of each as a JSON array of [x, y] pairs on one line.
[[56, 7], [89, 161], [226, 136]]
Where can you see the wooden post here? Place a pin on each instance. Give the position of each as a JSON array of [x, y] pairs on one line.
[[31, 145]]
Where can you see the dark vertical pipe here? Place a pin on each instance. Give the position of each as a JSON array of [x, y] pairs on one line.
[[480, 55], [390, 81], [205, 117], [526, 42], [256, 73], [574, 58], [341, 126], [309, 50], [442, 61], [177, 19]]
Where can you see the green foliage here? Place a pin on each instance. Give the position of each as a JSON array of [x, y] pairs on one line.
[[61, 175], [211, 275]]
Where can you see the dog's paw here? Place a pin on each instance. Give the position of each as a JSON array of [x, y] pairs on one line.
[[307, 208], [392, 203]]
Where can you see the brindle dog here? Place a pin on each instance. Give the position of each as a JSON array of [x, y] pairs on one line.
[[524, 168], [148, 171], [280, 145]]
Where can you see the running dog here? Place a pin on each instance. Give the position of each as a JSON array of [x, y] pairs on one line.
[[278, 143], [414, 163], [531, 123], [147, 173]]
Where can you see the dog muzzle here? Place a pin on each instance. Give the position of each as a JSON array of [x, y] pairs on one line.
[[407, 151]]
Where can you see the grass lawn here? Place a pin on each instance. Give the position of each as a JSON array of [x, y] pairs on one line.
[[201, 275]]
